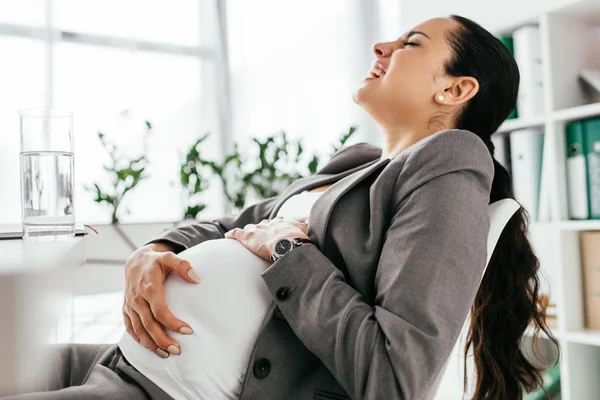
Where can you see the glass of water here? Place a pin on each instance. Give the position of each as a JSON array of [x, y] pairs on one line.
[[47, 173]]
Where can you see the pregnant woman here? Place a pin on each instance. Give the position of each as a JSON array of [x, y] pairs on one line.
[[354, 282]]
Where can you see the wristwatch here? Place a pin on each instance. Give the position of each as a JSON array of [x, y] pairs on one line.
[[285, 245]]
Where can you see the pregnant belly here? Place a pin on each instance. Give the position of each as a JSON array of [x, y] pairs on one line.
[[225, 310]]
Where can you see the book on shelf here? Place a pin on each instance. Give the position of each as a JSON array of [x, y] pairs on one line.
[[544, 205], [508, 42], [591, 77], [583, 168], [590, 84], [592, 148], [528, 54], [551, 321], [590, 264], [502, 150], [576, 172], [541, 241], [551, 312], [526, 147]]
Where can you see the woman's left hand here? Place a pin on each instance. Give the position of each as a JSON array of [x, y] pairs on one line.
[[261, 238]]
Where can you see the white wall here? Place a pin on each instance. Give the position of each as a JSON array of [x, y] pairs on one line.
[[295, 65], [492, 15]]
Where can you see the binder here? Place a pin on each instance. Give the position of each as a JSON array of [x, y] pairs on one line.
[[591, 148], [544, 198], [528, 54], [577, 193], [591, 77], [508, 42], [542, 241], [526, 147], [502, 150], [590, 265]]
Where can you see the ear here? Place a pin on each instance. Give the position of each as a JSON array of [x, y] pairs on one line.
[[459, 91]]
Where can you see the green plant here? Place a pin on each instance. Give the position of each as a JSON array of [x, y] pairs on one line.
[[343, 141], [192, 179], [126, 173], [280, 162]]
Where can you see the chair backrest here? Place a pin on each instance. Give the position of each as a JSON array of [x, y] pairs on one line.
[[500, 213]]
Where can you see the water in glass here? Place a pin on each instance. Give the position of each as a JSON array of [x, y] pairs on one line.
[[47, 193]]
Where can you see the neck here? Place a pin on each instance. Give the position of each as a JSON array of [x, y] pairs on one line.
[[396, 140]]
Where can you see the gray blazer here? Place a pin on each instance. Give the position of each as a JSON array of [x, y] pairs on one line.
[[373, 309]]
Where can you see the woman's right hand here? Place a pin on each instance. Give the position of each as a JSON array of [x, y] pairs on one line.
[[145, 305]]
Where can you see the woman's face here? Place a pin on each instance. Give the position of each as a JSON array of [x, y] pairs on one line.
[[404, 89]]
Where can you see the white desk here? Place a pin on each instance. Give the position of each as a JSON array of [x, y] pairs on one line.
[[36, 281]]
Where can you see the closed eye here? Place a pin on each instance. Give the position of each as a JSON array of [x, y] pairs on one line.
[[410, 44]]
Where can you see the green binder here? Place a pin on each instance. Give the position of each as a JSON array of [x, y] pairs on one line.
[[508, 42], [591, 147], [577, 192]]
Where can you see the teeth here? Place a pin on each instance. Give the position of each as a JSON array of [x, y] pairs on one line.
[[376, 73]]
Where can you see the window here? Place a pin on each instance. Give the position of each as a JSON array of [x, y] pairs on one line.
[[114, 64], [295, 66]]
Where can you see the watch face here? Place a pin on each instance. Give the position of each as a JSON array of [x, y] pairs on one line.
[[283, 246]]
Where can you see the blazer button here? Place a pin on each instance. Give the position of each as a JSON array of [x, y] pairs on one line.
[[282, 293], [262, 368]]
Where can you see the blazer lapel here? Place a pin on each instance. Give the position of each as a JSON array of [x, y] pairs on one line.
[[321, 210], [311, 182]]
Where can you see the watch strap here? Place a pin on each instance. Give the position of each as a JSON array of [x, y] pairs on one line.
[[299, 240]]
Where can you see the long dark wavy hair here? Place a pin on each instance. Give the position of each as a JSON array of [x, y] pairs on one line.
[[508, 300]]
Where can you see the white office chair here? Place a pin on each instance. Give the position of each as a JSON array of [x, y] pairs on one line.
[[500, 213]]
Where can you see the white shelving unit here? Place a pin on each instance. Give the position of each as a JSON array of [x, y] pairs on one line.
[[570, 38]]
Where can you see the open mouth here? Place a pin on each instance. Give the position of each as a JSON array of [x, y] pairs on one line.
[[376, 73], [377, 70]]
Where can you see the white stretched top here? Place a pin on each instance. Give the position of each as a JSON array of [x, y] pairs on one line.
[[225, 310]]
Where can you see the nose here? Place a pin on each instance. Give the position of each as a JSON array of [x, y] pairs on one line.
[[381, 49]]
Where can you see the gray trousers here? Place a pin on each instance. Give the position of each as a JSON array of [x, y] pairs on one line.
[[92, 371]]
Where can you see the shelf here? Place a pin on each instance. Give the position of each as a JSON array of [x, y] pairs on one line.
[[575, 113], [521, 123], [569, 41], [583, 225], [584, 337], [542, 225]]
